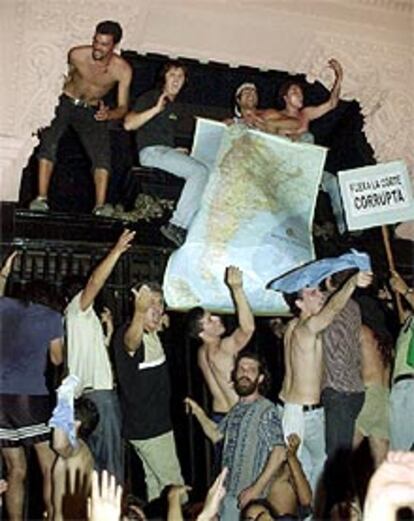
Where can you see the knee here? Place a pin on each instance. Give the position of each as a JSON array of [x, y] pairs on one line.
[[16, 469]]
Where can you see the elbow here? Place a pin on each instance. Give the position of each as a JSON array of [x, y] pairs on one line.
[[128, 122]]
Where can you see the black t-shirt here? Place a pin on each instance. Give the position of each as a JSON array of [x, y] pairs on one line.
[[159, 130], [144, 389]]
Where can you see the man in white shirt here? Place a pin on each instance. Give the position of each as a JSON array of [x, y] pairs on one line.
[[88, 359]]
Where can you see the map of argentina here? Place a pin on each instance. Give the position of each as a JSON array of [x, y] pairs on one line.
[[256, 214]]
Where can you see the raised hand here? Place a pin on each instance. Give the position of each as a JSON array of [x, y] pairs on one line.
[[234, 277], [124, 241], [214, 497], [105, 503], [293, 442], [363, 279], [336, 66], [143, 298]]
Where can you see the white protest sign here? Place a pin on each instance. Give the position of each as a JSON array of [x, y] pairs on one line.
[[376, 195]]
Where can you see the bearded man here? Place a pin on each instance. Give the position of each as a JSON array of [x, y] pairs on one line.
[[253, 447]]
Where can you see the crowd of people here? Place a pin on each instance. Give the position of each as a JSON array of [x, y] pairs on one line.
[[289, 456]]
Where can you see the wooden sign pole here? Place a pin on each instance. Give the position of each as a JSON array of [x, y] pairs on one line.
[[390, 258]]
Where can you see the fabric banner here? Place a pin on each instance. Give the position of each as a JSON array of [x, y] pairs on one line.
[[256, 214], [377, 195]]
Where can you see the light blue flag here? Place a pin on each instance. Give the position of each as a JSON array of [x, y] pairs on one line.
[[312, 274]]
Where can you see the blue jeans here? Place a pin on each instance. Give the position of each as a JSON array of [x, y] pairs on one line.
[[330, 185], [402, 415], [341, 412], [105, 442], [181, 165]]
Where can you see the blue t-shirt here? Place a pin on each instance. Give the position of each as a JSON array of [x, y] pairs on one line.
[[25, 335]]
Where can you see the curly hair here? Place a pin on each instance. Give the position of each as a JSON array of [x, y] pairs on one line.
[[264, 386]]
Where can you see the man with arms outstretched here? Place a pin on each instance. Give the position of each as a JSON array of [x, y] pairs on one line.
[[93, 71], [216, 354], [300, 394]]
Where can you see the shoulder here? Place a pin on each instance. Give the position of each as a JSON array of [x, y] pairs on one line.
[[79, 52], [122, 67]]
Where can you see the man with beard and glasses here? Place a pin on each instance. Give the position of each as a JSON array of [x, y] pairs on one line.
[[93, 71], [253, 448]]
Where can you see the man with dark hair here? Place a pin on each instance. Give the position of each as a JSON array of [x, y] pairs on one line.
[[267, 120], [93, 71], [291, 97], [253, 441], [144, 386], [216, 353], [302, 412], [72, 471], [154, 117], [88, 359], [30, 333]]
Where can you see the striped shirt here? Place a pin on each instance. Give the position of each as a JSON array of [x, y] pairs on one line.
[[342, 351]]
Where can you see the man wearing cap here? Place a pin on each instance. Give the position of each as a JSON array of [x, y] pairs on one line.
[[300, 395], [267, 120]]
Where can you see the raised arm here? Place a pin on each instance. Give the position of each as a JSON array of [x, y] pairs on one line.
[[399, 285], [301, 484], [323, 108], [134, 332], [337, 302], [243, 333], [276, 458], [104, 269], [5, 271], [61, 444], [209, 427], [134, 120]]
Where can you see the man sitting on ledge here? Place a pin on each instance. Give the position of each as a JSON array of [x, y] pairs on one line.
[[93, 71], [154, 118]]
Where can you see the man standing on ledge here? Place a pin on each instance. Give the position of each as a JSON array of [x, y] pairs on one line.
[[93, 71], [154, 117]]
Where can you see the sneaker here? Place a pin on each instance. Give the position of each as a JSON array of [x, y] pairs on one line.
[[104, 210], [39, 204], [174, 233]]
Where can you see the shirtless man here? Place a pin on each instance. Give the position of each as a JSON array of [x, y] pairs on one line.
[[266, 120], [291, 93], [373, 420], [216, 354], [72, 471], [93, 71], [300, 395]]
